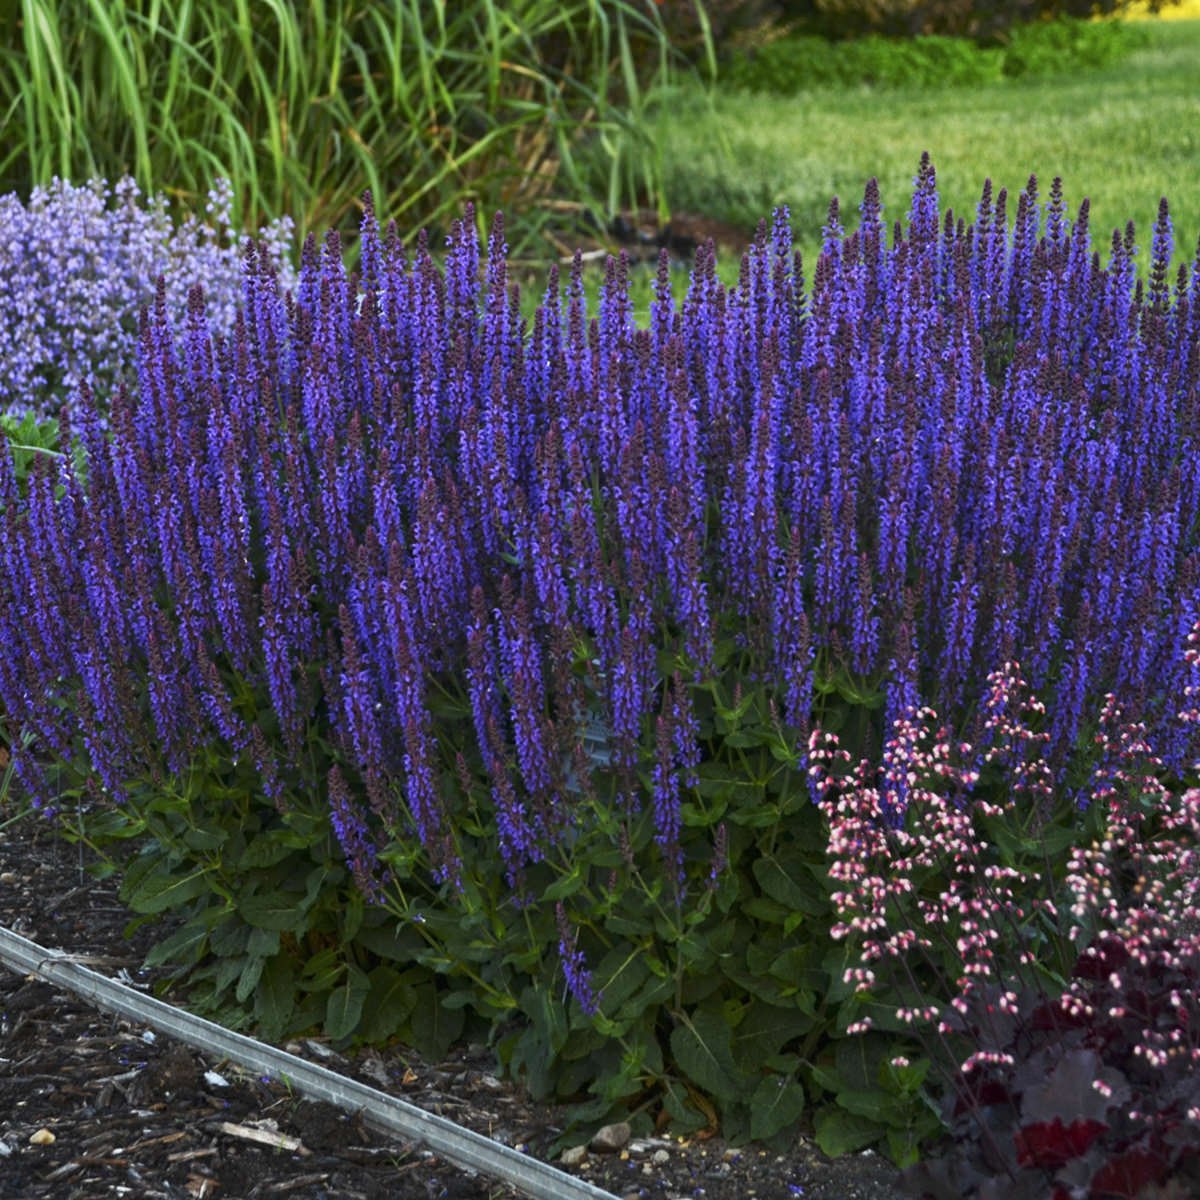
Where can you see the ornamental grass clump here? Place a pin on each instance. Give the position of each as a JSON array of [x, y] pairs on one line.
[[459, 676], [77, 264]]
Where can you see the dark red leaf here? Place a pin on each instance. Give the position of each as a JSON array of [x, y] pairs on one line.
[[1123, 1177], [1051, 1144]]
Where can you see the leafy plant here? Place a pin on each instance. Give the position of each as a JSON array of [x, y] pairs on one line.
[[1075, 1082], [397, 627]]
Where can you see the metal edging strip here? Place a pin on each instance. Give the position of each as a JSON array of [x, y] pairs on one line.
[[464, 1147]]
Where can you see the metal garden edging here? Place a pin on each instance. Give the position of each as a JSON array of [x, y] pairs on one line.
[[387, 1113]]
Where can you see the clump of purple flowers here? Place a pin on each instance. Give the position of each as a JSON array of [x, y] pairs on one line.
[[384, 515], [77, 264]]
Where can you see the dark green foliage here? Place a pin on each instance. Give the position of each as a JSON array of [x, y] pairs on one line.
[[804, 62], [723, 1003]]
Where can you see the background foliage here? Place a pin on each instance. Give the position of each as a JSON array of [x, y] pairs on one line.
[[532, 106]]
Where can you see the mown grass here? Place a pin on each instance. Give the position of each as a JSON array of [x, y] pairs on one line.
[[1122, 136]]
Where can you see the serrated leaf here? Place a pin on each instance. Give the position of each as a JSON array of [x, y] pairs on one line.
[[1068, 1093], [777, 1103], [702, 1050]]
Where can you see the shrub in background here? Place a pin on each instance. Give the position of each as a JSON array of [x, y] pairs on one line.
[[989, 20], [802, 62], [77, 265], [463, 673]]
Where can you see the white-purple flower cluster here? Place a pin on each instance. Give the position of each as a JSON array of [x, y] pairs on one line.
[[77, 264]]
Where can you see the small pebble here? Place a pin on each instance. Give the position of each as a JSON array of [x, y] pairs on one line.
[[8, 877], [43, 1137], [573, 1156], [660, 1158], [611, 1138]]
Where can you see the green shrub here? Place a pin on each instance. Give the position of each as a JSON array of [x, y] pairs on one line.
[[803, 62], [986, 19]]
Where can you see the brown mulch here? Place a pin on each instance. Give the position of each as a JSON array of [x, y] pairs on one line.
[[93, 1106]]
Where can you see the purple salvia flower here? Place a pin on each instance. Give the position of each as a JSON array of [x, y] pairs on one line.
[[579, 978]]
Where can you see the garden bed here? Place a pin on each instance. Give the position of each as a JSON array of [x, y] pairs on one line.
[[136, 1113]]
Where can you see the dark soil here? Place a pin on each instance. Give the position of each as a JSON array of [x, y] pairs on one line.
[[92, 1106]]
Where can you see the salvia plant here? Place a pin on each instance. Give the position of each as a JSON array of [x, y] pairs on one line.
[[457, 676], [77, 264]]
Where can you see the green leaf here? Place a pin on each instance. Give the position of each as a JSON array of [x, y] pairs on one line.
[[565, 885], [345, 1005], [323, 970], [877, 1106], [685, 1116], [787, 880], [185, 946], [388, 1005], [249, 979], [264, 943], [763, 1032], [203, 840], [434, 1028], [274, 999], [701, 1046], [230, 938], [777, 1103], [279, 911], [228, 969], [618, 975], [839, 1132], [353, 916], [391, 941], [162, 889], [762, 908], [264, 850]]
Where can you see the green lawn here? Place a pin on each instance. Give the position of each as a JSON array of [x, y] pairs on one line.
[[1123, 137]]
